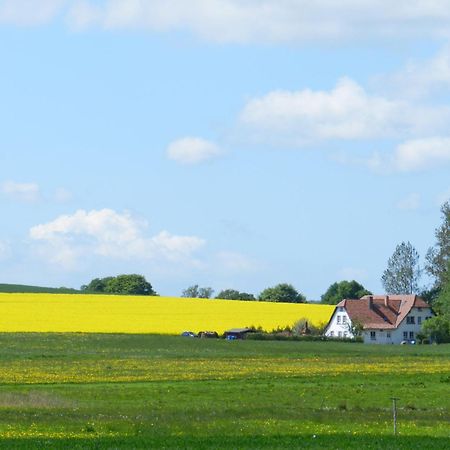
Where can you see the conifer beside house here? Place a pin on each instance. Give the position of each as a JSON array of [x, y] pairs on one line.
[[380, 319]]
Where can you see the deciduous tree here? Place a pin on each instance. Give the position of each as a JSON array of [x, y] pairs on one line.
[[282, 293], [403, 272], [438, 256], [233, 294], [342, 290]]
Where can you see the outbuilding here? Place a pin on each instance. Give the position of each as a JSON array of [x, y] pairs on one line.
[[237, 333]]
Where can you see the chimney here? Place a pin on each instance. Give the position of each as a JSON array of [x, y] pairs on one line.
[[386, 301], [370, 302]]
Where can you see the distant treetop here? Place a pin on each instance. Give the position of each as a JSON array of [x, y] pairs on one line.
[[132, 284]]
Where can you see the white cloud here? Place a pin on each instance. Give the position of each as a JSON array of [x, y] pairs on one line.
[[246, 21], [26, 192], [272, 20], [419, 78], [421, 154], [236, 262], [410, 203], [29, 12], [192, 150], [345, 112], [106, 233]]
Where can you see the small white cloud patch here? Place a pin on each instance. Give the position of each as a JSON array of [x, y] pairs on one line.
[[421, 154], [192, 150], [26, 192]]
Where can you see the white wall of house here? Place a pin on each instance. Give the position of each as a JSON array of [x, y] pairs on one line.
[[406, 331], [340, 324]]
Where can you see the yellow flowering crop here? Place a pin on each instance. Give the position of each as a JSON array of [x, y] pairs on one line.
[[131, 314]]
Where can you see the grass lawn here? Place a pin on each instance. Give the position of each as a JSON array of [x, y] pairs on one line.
[[142, 391]]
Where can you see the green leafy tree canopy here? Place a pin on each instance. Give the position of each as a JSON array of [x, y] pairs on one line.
[[283, 292], [132, 284], [342, 290], [197, 292], [438, 257], [403, 272], [233, 294]]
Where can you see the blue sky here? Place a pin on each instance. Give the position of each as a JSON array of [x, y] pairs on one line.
[[226, 143]]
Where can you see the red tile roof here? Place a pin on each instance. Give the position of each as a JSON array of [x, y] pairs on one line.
[[381, 311]]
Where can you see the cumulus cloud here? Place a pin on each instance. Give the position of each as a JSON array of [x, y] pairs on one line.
[[246, 21], [29, 12], [345, 112], [419, 78], [421, 154], [192, 150], [26, 192], [106, 233]]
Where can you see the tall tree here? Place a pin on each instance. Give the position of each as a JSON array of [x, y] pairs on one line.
[[233, 294], [190, 292], [132, 284], [205, 292], [342, 290], [282, 293], [438, 256], [195, 291], [403, 272]]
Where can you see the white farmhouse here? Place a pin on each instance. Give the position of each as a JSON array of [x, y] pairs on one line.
[[385, 319]]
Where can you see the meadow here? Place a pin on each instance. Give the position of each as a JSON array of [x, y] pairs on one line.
[[75, 390], [133, 314]]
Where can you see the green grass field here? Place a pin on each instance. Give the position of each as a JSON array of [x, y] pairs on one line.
[[143, 391]]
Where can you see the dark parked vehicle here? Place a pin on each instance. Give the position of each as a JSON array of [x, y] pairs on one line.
[[188, 334], [208, 334]]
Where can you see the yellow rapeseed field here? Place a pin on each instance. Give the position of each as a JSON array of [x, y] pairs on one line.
[[159, 315]]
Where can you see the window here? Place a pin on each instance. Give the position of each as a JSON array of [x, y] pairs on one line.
[[331, 333], [419, 320], [338, 319], [344, 319], [411, 334], [388, 334], [340, 334], [405, 335], [410, 320], [373, 335]]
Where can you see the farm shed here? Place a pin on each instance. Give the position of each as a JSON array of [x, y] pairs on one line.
[[237, 333]]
